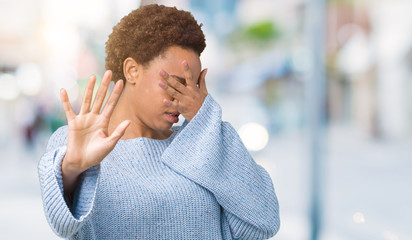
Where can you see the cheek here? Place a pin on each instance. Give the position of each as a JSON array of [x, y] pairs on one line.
[[156, 95], [151, 93], [150, 86]]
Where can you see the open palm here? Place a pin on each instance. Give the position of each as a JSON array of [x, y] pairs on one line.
[[88, 140]]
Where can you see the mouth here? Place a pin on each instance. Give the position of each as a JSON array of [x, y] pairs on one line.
[[173, 114], [172, 117]]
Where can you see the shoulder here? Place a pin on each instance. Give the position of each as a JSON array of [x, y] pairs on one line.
[[60, 132]]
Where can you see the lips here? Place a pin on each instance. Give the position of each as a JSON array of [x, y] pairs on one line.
[[173, 114], [172, 117]]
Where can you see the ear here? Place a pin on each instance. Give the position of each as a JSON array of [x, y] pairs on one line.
[[130, 70]]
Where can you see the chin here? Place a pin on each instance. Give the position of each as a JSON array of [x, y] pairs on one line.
[[165, 126]]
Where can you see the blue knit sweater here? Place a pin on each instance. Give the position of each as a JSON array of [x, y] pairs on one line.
[[200, 183]]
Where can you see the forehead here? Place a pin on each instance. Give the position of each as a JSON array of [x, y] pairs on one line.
[[171, 60]]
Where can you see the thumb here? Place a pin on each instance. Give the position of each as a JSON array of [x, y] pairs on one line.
[[202, 82], [119, 131]]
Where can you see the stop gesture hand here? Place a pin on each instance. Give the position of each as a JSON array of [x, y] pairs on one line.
[[88, 141]]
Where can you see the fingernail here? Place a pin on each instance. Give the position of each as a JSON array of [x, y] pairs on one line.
[[185, 64], [162, 84], [163, 73], [165, 101]]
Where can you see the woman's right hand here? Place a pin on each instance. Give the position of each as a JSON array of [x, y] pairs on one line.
[[88, 141]]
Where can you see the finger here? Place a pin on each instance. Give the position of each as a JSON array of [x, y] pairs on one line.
[[164, 74], [173, 104], [202, 81], [88, 95], [169, 90], [173, 82], [101, 93], [111, 103], [68, 110], [188, 74], [119, 132]]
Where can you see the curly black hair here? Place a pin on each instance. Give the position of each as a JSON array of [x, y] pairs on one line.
[[147, 32]]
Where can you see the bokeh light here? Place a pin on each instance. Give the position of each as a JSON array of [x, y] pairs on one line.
[[358, 217], [9, 89], [254, 136], [29, 79]]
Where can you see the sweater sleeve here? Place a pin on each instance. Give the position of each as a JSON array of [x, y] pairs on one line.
[[65, 220], [210, 153]]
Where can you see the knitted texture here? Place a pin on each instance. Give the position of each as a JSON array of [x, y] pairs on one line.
[[200, 183]]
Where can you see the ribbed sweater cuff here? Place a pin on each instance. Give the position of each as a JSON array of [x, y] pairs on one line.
[[60, 217], [206, 114], [57, 166]]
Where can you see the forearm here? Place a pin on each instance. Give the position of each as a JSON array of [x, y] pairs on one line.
[[65, 221], [211, 153]]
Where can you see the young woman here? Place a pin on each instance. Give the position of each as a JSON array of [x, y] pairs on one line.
[[126, 173]]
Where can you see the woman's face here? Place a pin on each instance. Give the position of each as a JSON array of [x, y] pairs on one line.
[[147, 96]]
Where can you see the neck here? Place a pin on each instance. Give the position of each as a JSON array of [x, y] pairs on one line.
[[124, 110]]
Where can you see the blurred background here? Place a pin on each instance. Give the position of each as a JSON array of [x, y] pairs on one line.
[[319, 91]]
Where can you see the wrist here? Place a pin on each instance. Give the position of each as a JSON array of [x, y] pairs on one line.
[[70, 168], [193, 114], [188, 118]]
